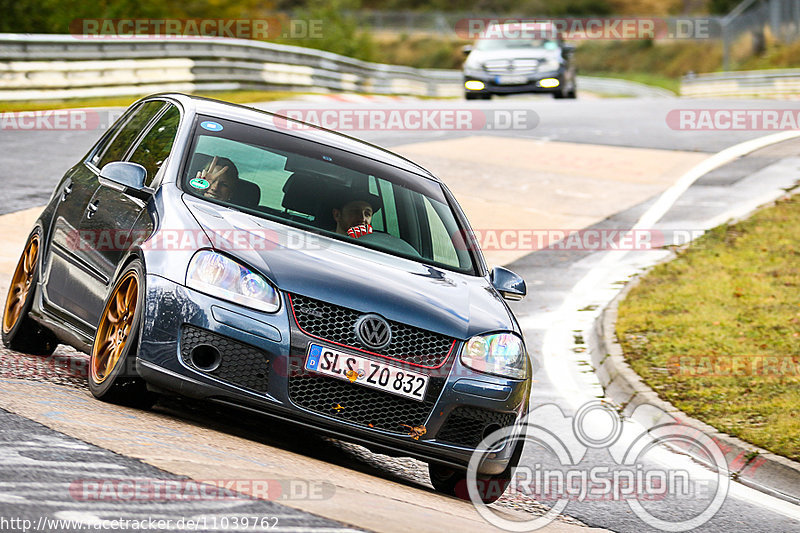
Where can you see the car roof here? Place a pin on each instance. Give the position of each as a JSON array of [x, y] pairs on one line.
[[249, 115]]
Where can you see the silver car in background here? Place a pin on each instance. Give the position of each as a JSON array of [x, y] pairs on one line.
[[519, 57]]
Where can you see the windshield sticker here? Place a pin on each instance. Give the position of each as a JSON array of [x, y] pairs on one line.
[[199, 183], [211, 126]]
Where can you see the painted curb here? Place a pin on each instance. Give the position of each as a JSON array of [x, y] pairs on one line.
[[750, 465]]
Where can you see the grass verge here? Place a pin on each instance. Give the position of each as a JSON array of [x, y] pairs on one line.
[[716, 331], [238, 97]]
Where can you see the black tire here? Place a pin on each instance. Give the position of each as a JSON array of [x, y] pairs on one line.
[[22, 333], [472, 96], [573, 93], [120, 384], [454, 482]]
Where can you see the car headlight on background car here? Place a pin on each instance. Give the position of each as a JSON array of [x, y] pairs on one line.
[[217, 275], [549, 65], [500, 353], [473, 68]]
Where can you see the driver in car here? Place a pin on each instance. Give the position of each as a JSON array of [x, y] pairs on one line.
[[353, 215]]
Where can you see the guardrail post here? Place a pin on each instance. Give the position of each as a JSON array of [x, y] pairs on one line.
[[726, 44]]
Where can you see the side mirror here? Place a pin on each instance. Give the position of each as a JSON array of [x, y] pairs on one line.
[[120, 175], [509, 285], [466, 49], [567, 50]]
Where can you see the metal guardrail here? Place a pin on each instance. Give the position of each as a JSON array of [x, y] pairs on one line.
[[780, 83], [621, 87], [63, 66], [40, 67]]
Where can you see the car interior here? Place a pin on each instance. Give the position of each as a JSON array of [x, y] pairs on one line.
[[304, 192]]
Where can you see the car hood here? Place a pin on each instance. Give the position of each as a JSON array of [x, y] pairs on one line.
[[300, 262]]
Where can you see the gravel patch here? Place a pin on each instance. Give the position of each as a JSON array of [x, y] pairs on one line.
[[417, 472]]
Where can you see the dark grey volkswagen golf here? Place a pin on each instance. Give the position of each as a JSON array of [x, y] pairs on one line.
[[218, 252]]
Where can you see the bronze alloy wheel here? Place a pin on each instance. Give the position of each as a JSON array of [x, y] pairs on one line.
[[115, 327], [21, 284]]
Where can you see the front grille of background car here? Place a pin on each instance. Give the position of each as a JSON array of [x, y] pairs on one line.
[[516, 66], [334, 323], [240, 364], [356, 403], [465, 425]]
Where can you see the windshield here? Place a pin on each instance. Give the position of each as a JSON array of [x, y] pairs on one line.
[[513, 44], [325, 190]]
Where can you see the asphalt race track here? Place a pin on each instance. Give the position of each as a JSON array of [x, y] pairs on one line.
[[590, 163]]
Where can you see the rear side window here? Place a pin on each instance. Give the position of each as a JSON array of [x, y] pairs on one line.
[[127, 134], [157, 144]]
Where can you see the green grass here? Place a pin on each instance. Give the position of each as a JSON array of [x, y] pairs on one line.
[[238, 97], [735, 292]]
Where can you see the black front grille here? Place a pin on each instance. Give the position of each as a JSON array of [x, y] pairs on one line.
[[466, 425], [359, 404], [240, 364], [334, 323]]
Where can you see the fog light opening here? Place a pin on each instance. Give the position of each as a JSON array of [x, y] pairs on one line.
[[474, 85], [489, 429], [549, 83], [205, 357]]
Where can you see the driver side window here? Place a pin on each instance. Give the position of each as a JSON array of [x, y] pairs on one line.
[[156, 145], [116, 149]]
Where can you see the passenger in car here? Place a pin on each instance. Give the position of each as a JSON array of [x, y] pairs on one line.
[[353, 214], [221, 175]]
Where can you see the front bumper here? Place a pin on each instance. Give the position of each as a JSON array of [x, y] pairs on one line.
[[532, 85], [261, 369]]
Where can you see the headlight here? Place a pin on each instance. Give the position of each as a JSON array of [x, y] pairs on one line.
[[501, 353], [473, 69], [550, 64], [215, 274]]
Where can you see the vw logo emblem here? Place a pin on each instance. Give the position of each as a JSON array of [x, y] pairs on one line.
[[373, 331]]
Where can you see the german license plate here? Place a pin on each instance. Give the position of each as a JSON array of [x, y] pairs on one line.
[[511, 80], [367, 372]]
